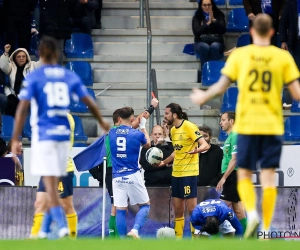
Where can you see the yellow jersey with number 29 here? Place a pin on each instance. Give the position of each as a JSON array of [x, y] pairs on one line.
[[260, 72]]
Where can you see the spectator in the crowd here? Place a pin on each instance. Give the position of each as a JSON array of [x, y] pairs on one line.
[[98, 16], [55, 21], [16, 66], [18, 22], [3, 98], [273, 8], [157, 176], [83, 15], [208, 28], [209, 161]]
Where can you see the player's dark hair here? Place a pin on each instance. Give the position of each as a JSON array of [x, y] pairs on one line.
[[176, 109], [48, 49], [211, 225], [116, 115], [230, 115], [126, 112], [206, 129], [262, 24], [3, 147]]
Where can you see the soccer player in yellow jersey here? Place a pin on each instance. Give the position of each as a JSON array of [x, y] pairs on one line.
[[187, 142], [260, 70], [65, 190]]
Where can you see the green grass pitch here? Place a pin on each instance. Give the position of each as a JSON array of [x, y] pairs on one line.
[[147, 244]]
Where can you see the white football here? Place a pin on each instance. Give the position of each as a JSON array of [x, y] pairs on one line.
[[165, 233], [154, 155]]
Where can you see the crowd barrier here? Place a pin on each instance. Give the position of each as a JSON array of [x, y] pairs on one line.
[[16, 211]]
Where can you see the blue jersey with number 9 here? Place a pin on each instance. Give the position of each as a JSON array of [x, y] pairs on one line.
[[125, 143], [49, 89]]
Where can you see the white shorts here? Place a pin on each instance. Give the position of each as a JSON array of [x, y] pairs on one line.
[[132, 187], [49, 158], [224, 228]]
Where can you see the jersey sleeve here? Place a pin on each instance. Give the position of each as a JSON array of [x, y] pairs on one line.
[[27, 92], [194, 220], [143, 139], [230, 69], [234, 143], [193, 132], [231, 217], [290, 72]]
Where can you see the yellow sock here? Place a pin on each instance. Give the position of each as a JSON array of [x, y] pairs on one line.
[[178, 227], [247, 194], [72, 224], [37, 224], [192, 230], [268, 206]]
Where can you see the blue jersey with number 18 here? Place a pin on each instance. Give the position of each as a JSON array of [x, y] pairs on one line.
[[125, 143], [49, 89]]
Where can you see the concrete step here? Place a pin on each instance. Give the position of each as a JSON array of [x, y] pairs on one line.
[[157, 22], [137, 48], [121, 75]]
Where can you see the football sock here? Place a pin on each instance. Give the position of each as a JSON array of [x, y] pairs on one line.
[[141, 217], [178, 227], [112, 226], [244, 223], [37, 223], [192, 230], [72, 224], [247, 194], [121, 222], [58, 215], [46, 223], [268, 206]]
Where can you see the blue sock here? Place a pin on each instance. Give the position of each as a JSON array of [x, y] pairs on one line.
[[58, 215], [46, 223], [121, 222], [141, 217]]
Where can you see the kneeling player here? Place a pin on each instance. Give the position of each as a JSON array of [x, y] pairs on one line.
[[213, 216]]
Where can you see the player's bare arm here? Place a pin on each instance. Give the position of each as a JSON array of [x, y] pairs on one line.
[[202, 146], [20, 117], [231, 166], [200, 97], [95, 111], [294, 89]]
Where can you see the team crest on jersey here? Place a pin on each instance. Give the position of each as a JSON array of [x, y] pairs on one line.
[[180, 138], [178, 147]]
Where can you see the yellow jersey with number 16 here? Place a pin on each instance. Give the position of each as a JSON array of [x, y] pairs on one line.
[[260, 72]]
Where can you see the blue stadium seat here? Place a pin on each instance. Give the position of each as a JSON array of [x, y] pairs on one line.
[[222, 136], [229, 99], [79, 46], [238, 21], [34, 45], [211, 72], [79, 144], [79, 134], [218, 2], [83, 69], [27, 128], [295, 107], [292, 128], [189, 49], [79, 106], [235, 2], [243, 40], [7, 127]]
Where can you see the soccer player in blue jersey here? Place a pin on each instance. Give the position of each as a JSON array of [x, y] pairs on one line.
[[49, 90], [125, 143], [213, 216]]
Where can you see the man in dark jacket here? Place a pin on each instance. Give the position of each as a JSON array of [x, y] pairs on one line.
[[83, 15], [271, 7], [209, 161]]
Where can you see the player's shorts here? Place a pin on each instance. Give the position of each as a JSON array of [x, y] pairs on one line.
[[264, 150], [132, 187], [230, 192], [184, 187], [224, 228], [65, 186], [49, 158]]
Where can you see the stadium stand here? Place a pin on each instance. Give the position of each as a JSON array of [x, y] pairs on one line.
[[235, 2], [79, 46], [83, 69], [243, 40], [292, 128], [34, 44], [79, 134], [222, 135], [27, 128], [79, 106], [295, 107], [211, 72], [237, 21], [229, 99], [7, 129]]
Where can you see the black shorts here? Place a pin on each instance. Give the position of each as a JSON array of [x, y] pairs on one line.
[[184, 187], [65, 186], [230, 192], [262, 150]]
